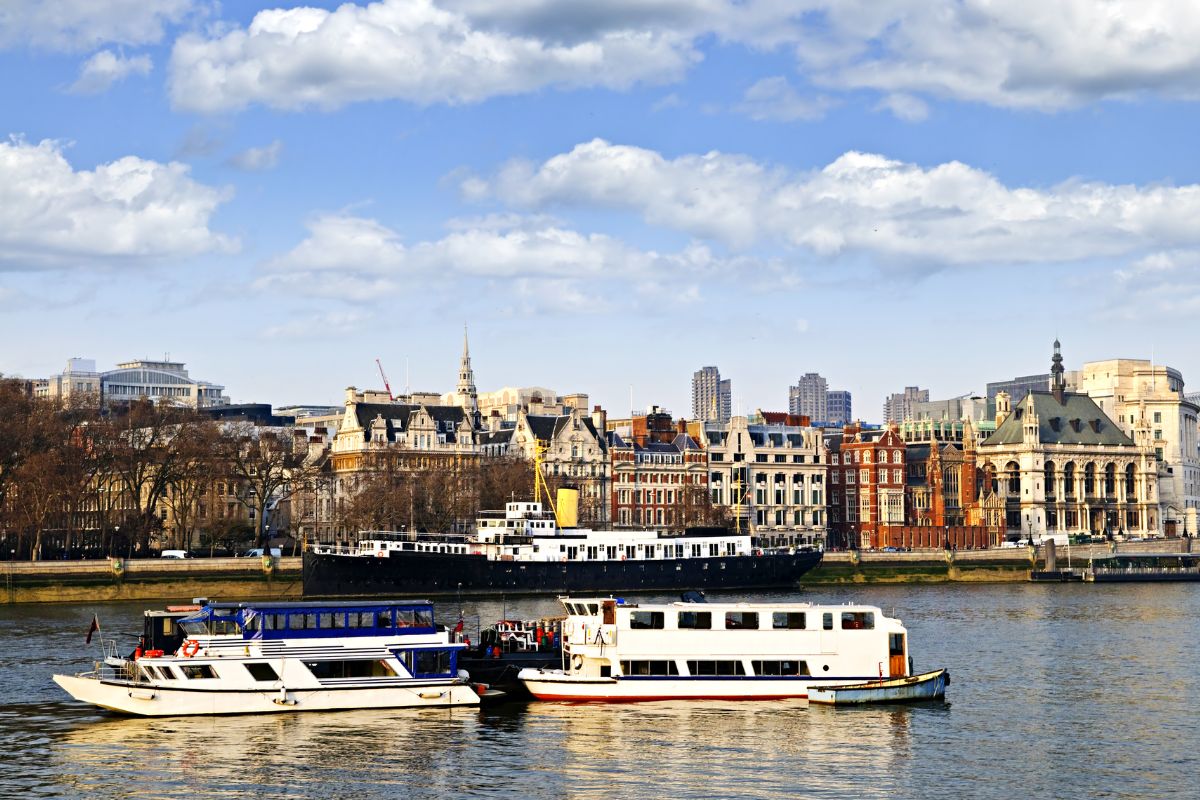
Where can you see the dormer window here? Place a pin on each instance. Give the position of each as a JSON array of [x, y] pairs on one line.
[[1077, 425]]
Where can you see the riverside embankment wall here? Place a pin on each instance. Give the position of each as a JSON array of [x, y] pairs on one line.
[[150, 579], [279, 578]]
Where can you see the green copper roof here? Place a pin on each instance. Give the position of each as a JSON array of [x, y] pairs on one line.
[[1076, 420]]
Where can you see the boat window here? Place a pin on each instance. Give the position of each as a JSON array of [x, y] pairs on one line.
[[695, 620], [423, 618], [274, 622], [895, 644], [858, 621], [787, 620], [429, 662], [352, 668], [646, 620], [649, 668], [325, 620], [593, 609], [198, 628], [254, 623], [741, 620], [198, 671], [170, 673], [716, 668], [144, 675], [786, 667], [383, 619], [262, 671], [225, 627], [827, 621]]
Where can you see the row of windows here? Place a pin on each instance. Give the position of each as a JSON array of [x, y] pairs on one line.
[[761, 458], [377, 620], [749, 620], [420, 663]]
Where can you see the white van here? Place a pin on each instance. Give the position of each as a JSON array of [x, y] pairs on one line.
[[258, 552], [174, 554]]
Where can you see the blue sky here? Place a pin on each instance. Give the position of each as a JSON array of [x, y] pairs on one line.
[[611, 194]]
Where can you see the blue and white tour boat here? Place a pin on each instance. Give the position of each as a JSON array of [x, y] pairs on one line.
[[246, 658]]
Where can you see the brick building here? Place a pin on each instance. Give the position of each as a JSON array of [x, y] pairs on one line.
[[659, 475], [866, 485]]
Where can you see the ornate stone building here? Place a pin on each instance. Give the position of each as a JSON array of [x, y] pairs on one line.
[[769, 472], [1062, 466], [659, 475], [574, 452]]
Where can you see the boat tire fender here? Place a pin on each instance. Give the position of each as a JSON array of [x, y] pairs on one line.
[[577, 662]]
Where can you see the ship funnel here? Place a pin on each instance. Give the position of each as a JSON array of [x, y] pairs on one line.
[[566, 507]]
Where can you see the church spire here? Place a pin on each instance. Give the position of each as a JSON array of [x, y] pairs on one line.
[[466, 379]]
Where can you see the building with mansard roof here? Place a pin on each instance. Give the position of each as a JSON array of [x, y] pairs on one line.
[[1062, 466]]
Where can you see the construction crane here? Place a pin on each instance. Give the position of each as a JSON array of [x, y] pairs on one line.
[[383, 375]]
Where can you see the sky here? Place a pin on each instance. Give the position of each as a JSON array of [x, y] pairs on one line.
[[610, 194]]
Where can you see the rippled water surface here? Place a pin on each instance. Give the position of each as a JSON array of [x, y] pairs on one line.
[[1058, 691]]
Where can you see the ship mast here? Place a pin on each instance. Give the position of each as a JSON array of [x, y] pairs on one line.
[[539, 479]]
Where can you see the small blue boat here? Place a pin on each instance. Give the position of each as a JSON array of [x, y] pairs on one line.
[[926, 686]]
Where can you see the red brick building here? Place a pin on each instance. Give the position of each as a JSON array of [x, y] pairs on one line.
[[866, 486], [659, 475]]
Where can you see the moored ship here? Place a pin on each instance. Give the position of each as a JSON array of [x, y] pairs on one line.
[[621, 652], [523, 550], [246, 658]]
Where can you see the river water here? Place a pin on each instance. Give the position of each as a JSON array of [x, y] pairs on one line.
[[1058, 692]]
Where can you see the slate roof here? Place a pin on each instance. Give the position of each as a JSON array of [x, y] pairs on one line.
[[546, 427], [1077, 420], [447, 418]]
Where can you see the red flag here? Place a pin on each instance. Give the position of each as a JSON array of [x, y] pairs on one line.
[[93, 628], [459, 627]]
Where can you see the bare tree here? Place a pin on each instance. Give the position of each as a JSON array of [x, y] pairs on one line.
[[199, 464], [269, 466]]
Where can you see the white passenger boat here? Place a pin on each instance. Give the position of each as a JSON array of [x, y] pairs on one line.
[[615, 651], [245, 658]]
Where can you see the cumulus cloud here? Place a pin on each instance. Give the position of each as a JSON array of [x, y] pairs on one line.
[[54, 215], [258, 159], [1167, 282], [949, 213], [85, 24], [1018, 53], [774, 99], [105, 68], [402, 49], [357, 258]]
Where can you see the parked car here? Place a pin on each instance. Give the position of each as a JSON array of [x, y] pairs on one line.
[[258, 552], [175, 554]]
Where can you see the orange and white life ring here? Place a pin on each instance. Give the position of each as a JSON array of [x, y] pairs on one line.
[[190, 648]]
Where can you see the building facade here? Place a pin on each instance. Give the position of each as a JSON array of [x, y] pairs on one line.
[[712, 397], [866, 486], [838, 407], [900, 406], [659, 476], [1132, 391], [158, 381], [1061, 466], [574, 452], [809, 397], [769, 472]]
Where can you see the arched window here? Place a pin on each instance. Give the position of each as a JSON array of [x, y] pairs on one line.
[[1013, 471], [1048, 475], [1069, 479], [1110, 480], [1089, 480], [1130, 482]]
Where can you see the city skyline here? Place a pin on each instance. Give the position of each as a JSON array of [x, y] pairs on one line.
[[740, 184]]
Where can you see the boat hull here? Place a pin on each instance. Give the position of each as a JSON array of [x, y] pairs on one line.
[[162, 701], [915, 688], [555, 685], [441, 574]]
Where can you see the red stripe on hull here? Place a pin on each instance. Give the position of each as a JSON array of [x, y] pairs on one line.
[[658, 698]]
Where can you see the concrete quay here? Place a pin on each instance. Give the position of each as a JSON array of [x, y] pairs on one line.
[[118, 579]]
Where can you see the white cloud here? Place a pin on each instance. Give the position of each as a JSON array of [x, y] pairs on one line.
[[355, 258], [949, 213], [774, 99], [402, 49], [131, 208], [105, 68], [85, 24], [1165, 282], [258, 159], [904, 106], [1017, 53]]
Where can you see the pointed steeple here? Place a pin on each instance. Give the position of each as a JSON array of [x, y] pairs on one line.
[[468, 396]]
